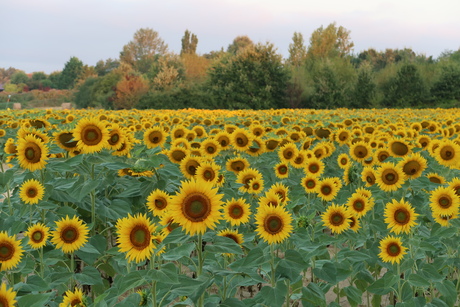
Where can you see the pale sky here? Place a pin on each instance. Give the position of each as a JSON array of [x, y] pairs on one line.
[[43, 35]]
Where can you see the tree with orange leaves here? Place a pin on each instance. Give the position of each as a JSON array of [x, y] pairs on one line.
[[130, 89]]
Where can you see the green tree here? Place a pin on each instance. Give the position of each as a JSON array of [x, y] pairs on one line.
[[254, 78], [5, 74], [406, 89], [239, 44], [189, 43], [329, 42], [365, 88], [297, 50], [143, 50], [71, 73], [84, 97], [448, 85], [104, 67], [19, 77]]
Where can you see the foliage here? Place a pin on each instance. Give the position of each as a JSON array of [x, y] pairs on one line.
[[407, 89], [297, 50], [189, 43], [71, 73], [129, 90], [239, 44], [19, 77], [447, 87], [329, 42]]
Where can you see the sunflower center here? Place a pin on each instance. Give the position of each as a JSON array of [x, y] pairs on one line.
[[210, 149], [383, 157], [390, 177], [140, 237], [209, 175], [393, 249], [273, 224], [178, 155], [242, 140], [3, 302], [445, 202], [69, 234], [155, 137], [310, 184], [288, 154], [32, 192], [192, 169], [6, 251], [411, 167], [358, 205], [399, 148], [236, 212], [231, 236], [370, 179], [336, 219], [352, 222], [447, 153], [91, 135], [160, 203], [283, 170], [75, 302], [402, 216], [196, 207], [434, 179], [256, 186], [237, 166], [343, 161], [326, 190], [313, 168], [33, 153], [114, 138], [360, 151], [37, 236]]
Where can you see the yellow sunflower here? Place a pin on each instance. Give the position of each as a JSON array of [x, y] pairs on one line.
[[210, 148], [400, 216], [392, 250], [241, 139], [31, 191], [398, 147], [389, 177], [231, 234], [337, 218], [223, 138], [237, 164], [158, 201], [74, 298], [342, 136], [38, 235], [10, 148], [135, 237], [444, 220], [343, 160], [281, 190], [208, 171], [444, 201], [70, 234], [91, 134], [436, 178], [154, 136], [360, 151], [257, 147], [116, 137], [32, 153], [256, 186], [236, 211], [270, 199], [455, 185], [310, 183], [314, 166], [288, 152], [282, 170], [177, 153], [196, 207], [359, 205], [10, 252], [7, 296], [64, 139], [355, 225], [274, 224], [188, 166], [447, 153], [413, 165], [381, 154], [327, 189], [244, 177]]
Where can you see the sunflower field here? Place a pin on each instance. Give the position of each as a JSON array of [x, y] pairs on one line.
[[230, 208]]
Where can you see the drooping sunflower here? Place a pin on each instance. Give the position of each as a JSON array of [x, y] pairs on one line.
[[327, 189], [343, 160], [177, 153], [337, 218], [64, 139], [310, 183], [158, 201], [444, 201], [154, 136], [237, 164], [32, 153], [73, 298], [236, 211], [381, 154], [359, 205], [391, 249], [400, 216], [10, 251], [274, 224], [135, 237], [91, 134], [389, 177], [196, 207], [70, 234], [10, 147], [282, 170], [281, 190], [455, 185], [241, 139], [7, 296], [270, 199], [314, 166], [31, 191], [360, 151], [231, 234], [188, 166], [288, 152], [447, 153], [299, 160], [398, 147], [436, 178], [413, 165], [444, 220], [257, 147], [342, 136], [38, 235], [168, 223]]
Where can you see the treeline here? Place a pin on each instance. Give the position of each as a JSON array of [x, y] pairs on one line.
[[323, 74]]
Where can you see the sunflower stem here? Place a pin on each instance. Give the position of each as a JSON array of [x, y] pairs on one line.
[[199, 269], [288, 295], [42, 267], [72, 270], [272, 265], [154, 283], [398, 271], [93, 205]]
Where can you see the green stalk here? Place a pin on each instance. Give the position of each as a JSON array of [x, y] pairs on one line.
[[272, 265], [398, 270], [42, 266], [199, 269], [288, 294], [154, 284], [93, 205]]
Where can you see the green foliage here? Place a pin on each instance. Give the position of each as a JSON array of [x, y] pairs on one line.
[[70, 74], [448, 85], [239, 44], [84, 95], [189, 43], [407, 89], [19, 77], [297, 50], [104, 67], [329, 42], [365, 88]]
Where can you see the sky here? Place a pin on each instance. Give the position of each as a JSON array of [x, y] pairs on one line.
[[43, 35]]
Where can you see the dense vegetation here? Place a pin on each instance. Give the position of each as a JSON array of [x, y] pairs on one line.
[[324, 74]]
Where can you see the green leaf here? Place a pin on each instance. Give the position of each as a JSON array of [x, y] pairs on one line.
[[332, 272], [89, 276], [254, 259], [34, 283], [384, 285], [417, 280], [176, 236], [83, 187], [448, 291], [35, 300], [6, 176], [353, 256], [59, 278], [273, 296], [88, 253], [129, 281], [167, 274], [313, 294], [132, 300], [436, 302], [193, 288], [376, 300], [353, 295], [117, 208], [222, 245], [132, 190], [232, 302], [428, 271], [176, 253], [291, 265]]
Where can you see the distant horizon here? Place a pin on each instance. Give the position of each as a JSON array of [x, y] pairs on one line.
[[43, 36]]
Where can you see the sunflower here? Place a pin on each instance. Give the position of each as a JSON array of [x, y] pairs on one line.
[[231, 234], [447, 153], [64, 139], [413, 165], [455, 185], [70, 234], [38, 235], [223, 138], [400, 216], [74, 298], [270, 199], [444, 220], [257, 147], [342, 136], [158, 201], [31, 191], [177, 153], [288, 152], [196, 206], [423, 141], [168, 223], [282, 170], [436, 178], [274, 224], [299, 160], [245, 177], [32, 153], [444, 201], [236, 211], [10, 148], [10, 252], [208, 171], [310, 183], [23, 132], [154, 136], [281, 190], [392, 250], [327, 189], [188, 166], [337, 218], [389, 177], [241, 139], [200, 131], [359, 205], [210, 148], [7, 296], [178, 132], [343, 160], [91, 134], [116, 137], [237, 164], [258, 130], [314, 166], [135, 237], [355, 225], [360, 151], [271, 144], [256, 186], [398, 147]]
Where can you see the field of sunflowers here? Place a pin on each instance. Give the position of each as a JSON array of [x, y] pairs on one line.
[[230, 208]]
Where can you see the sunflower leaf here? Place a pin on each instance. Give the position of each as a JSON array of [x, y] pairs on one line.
[[35, 300], [222, 245], [183, 250]]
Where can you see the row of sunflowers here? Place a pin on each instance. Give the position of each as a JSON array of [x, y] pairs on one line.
[[230, 208]]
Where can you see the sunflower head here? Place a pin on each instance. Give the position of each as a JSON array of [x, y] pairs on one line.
[[237, 164], [274, 224], [400, 216], [444, 201], [392, 250], [282, 170], [91, 134], [31, 191], [390, 177], [7, 296], [236, 211], [337, 218], [38, 235], [73, 298], [413, 165], [70, 234], [10, 251], [157, 202], [32, 153]]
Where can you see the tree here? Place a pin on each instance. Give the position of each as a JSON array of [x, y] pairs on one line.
[[37, 79], [142, 51], [407, 89], [365, 88], [71, 73], [130, 89], [102, 68], [19, 77], [189, 43], [254, 78], [84, 96], [239, 44], [448, 85], [297, 50], [331, 41], [5, 74]]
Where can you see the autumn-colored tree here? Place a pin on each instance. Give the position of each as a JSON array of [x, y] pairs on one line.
[[195, 66], [239, 44], [5, 74], [104, 67], [189, 43], [142, 51], [129, 90], [297, 50], [329, 42]]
